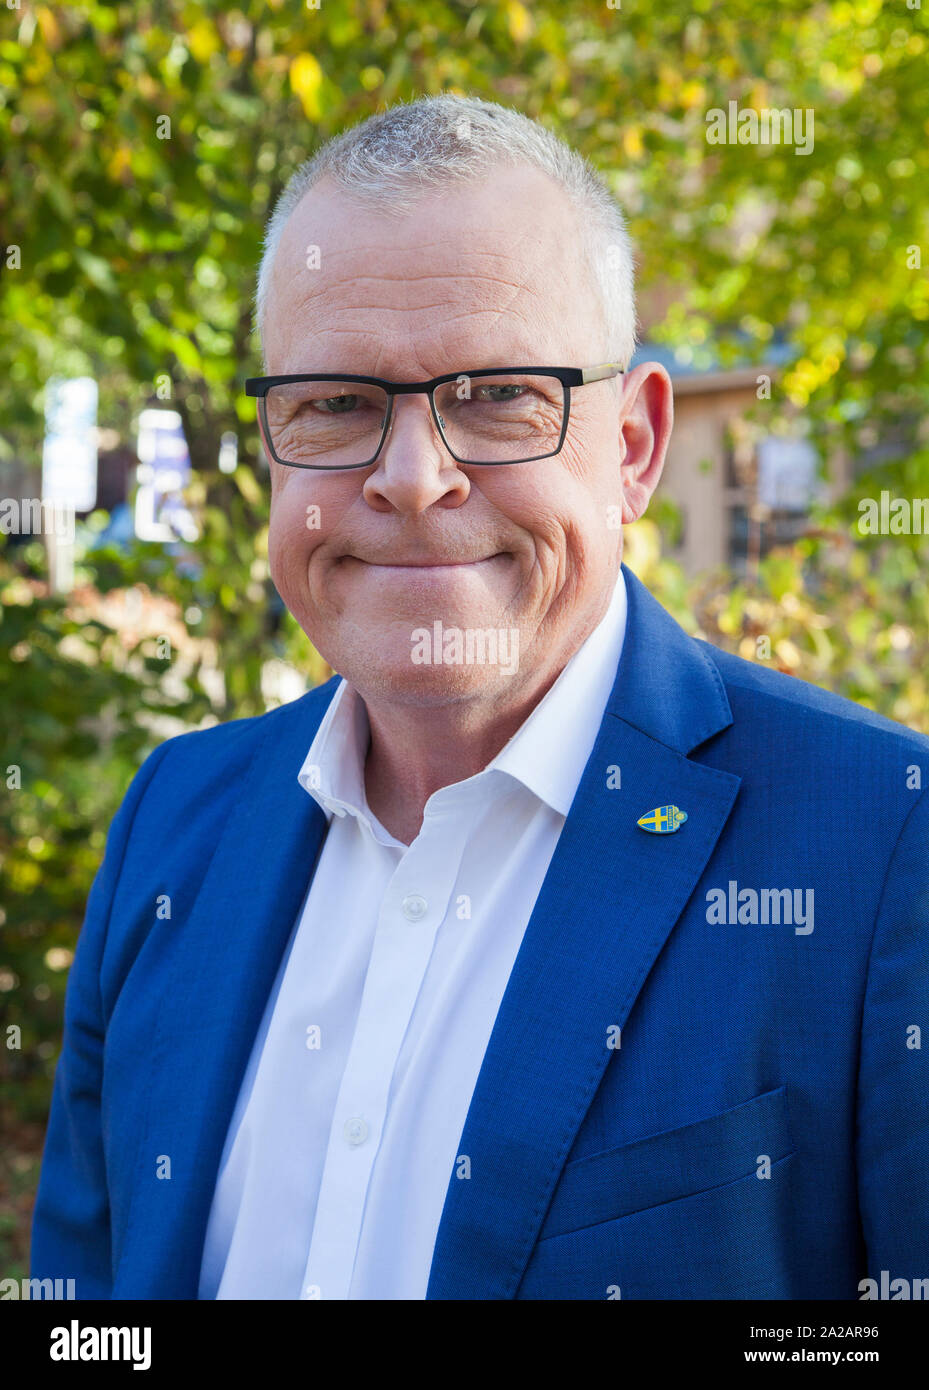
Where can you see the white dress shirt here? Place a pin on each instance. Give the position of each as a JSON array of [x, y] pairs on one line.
[[347, 1127]]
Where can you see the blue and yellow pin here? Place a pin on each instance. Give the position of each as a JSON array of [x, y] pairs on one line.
[[664, 820]]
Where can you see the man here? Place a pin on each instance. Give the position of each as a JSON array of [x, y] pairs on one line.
[[549, 953]]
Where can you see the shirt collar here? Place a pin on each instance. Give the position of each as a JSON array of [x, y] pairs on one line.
[[547, 754], [549, 751]]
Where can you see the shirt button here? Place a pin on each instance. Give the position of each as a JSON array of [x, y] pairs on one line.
[[355, 1130], [414, 907]]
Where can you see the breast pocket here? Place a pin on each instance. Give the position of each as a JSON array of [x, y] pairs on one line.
[[674, 1164], [700, 1212]]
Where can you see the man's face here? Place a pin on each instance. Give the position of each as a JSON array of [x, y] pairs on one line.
[[485, 275]]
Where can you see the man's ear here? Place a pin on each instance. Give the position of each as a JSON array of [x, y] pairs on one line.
[[646, 416]]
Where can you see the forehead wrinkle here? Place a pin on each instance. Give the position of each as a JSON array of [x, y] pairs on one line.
[[328, 293], [342, 318], [452, 314], [437, 354], [467, 261]]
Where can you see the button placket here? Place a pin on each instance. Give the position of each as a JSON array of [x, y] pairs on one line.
[[418, 895]]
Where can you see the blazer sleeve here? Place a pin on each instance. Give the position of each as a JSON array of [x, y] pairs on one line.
[[893, 1079], [71, 1219]]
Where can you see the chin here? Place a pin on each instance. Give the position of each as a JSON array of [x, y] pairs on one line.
[[397, 679]]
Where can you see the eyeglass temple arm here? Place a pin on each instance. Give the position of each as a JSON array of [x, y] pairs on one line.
[[600, 373]]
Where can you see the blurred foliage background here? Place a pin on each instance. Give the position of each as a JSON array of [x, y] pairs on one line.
[[136, 259]]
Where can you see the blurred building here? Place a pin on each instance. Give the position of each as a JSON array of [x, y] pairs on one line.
[[738, 490]]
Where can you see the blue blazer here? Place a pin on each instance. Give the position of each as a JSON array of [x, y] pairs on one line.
[[674, 1103]]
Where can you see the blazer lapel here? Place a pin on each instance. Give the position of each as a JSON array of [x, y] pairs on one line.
[[610, 898], [232, 944]]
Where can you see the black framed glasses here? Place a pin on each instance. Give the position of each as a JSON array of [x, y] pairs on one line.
[[492, 416]]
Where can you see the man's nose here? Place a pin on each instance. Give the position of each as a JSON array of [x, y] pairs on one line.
[[414, 469]]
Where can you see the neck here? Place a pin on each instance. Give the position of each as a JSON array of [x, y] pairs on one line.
[[415, 750]]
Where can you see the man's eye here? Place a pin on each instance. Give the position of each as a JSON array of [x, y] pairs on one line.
[[498, 394], [337, 405]]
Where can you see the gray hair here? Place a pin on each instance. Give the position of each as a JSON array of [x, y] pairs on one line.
[[391, 159]]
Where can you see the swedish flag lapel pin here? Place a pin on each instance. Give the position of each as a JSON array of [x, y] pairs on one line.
[[664, 820]]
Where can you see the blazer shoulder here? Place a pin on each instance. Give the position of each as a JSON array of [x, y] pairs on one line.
[[791, 700]]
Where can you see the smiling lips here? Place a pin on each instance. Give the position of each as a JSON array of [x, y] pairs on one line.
[[437, 563]]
